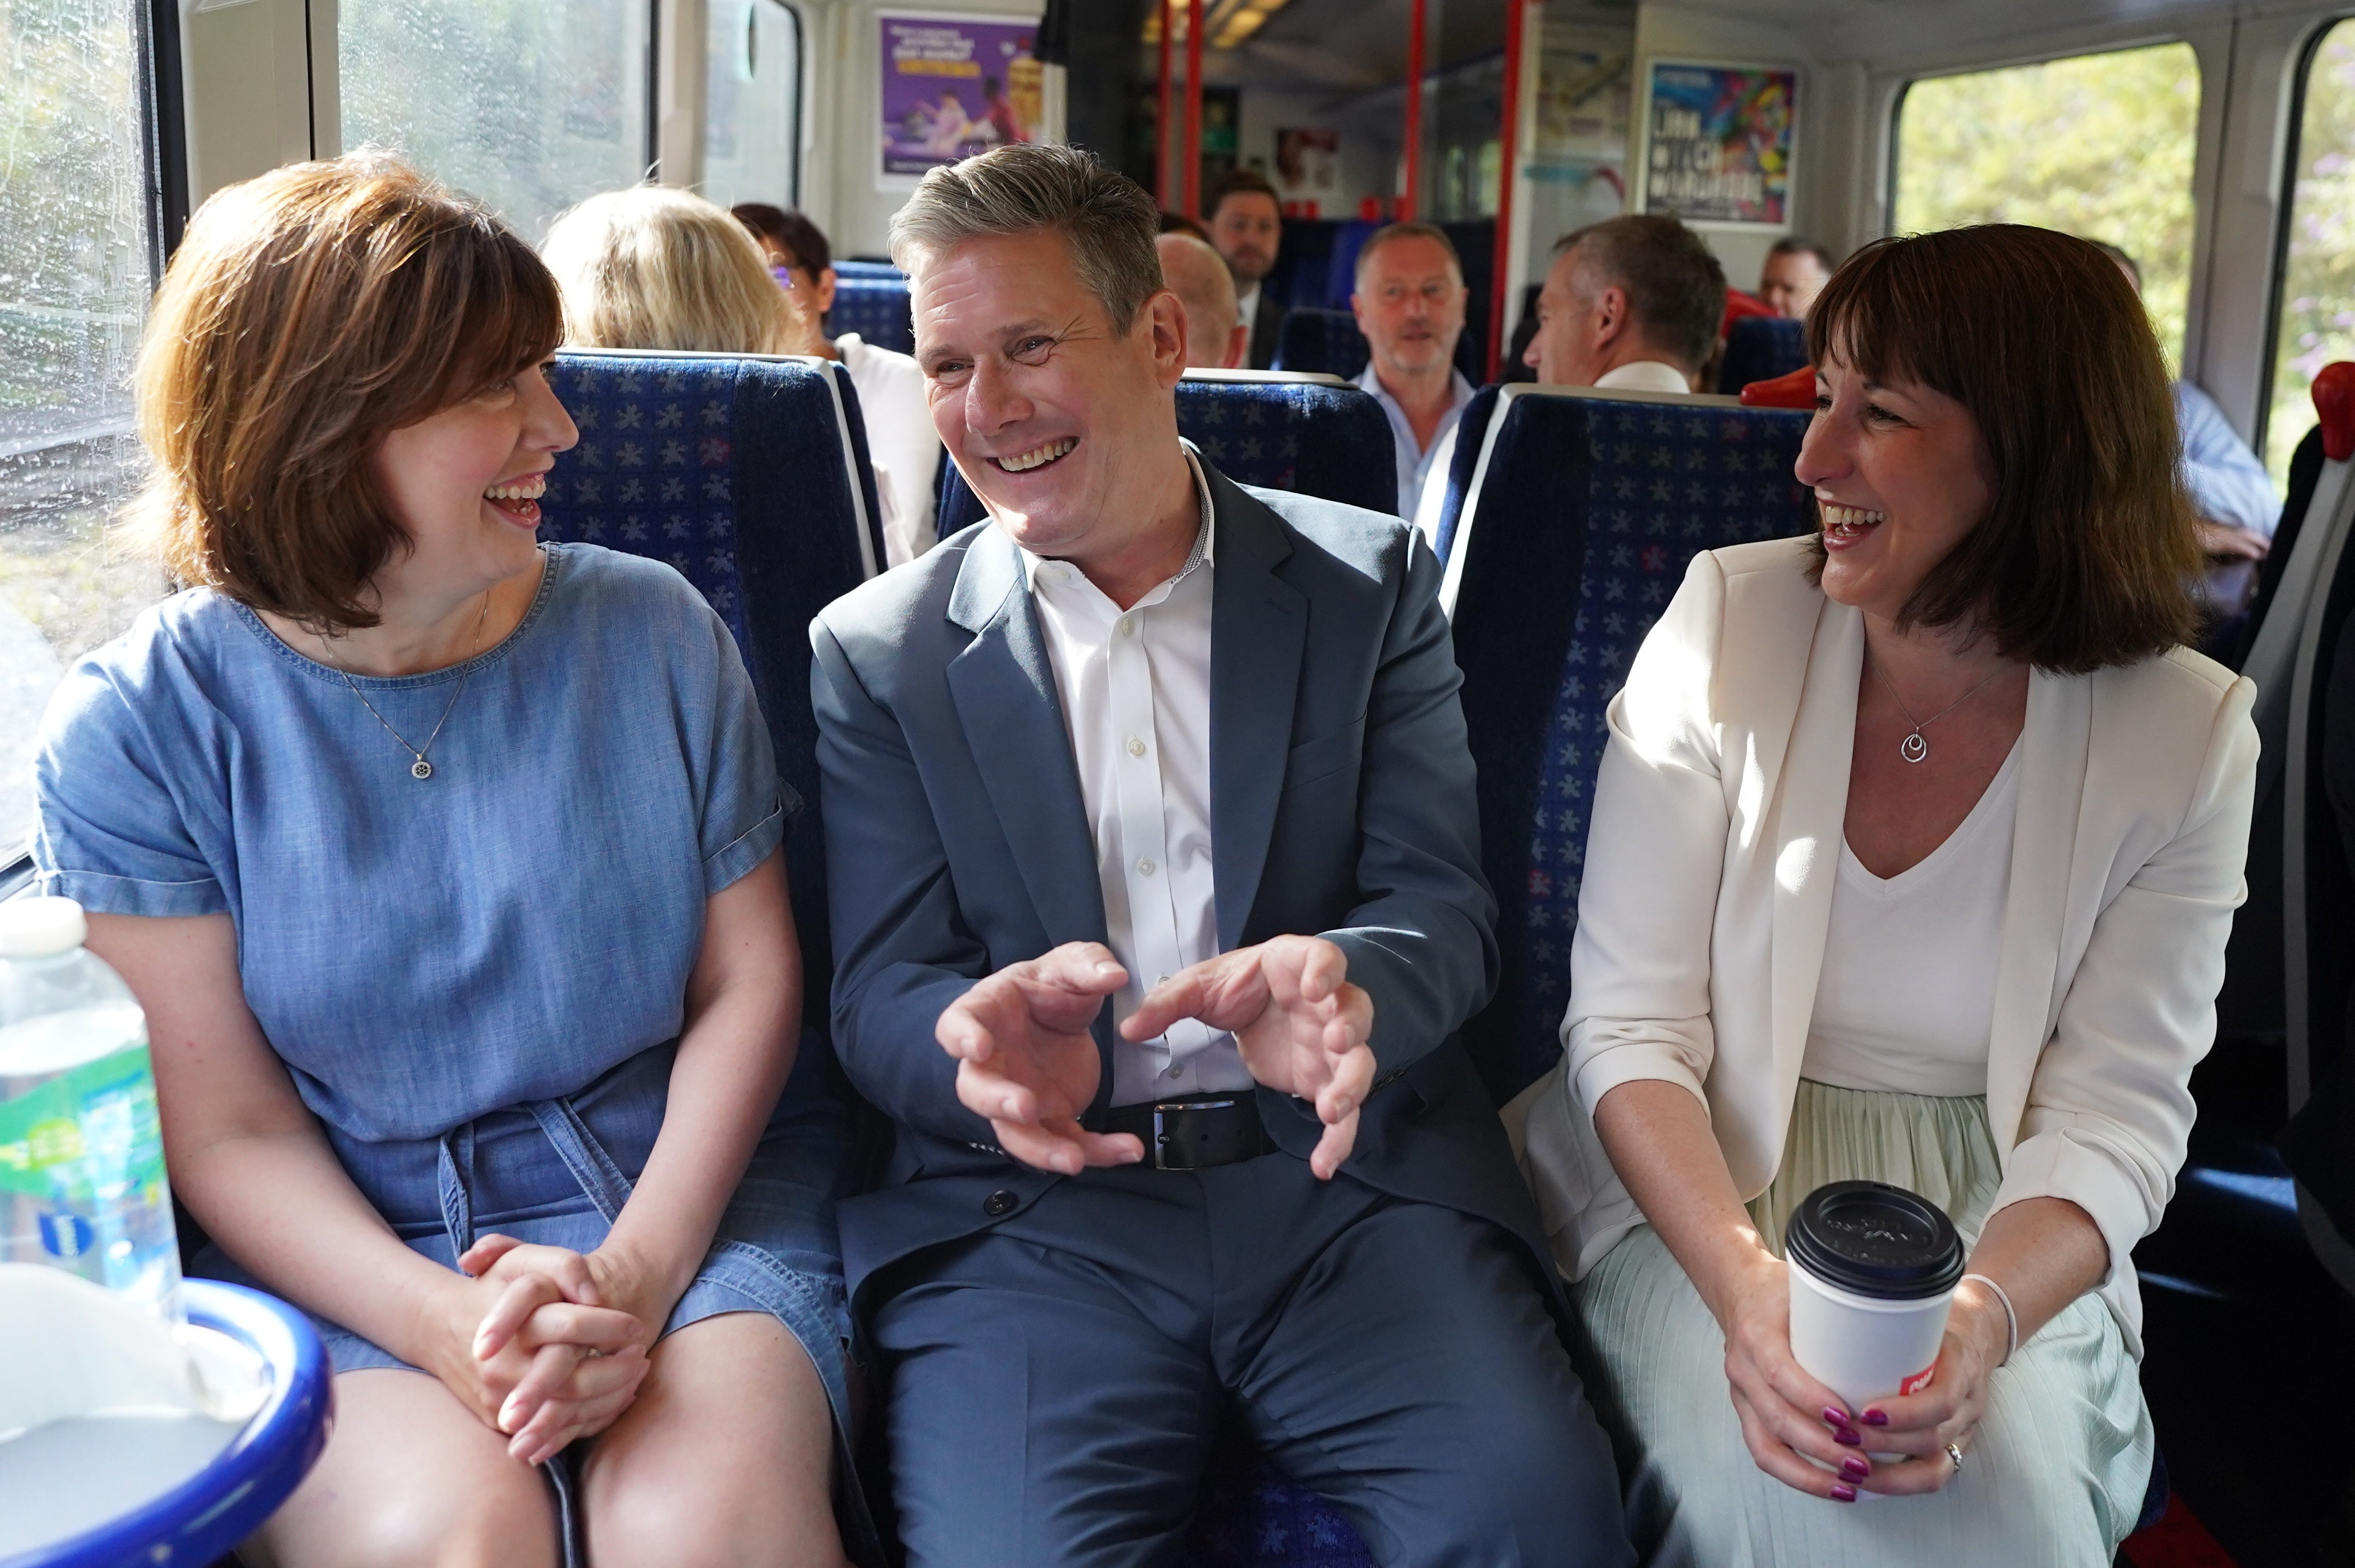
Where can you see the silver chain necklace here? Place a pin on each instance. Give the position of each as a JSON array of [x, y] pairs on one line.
[[1914, 749], [419, 770]]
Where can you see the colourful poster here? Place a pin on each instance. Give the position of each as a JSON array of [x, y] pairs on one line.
[[1717, 142], [954, 86]]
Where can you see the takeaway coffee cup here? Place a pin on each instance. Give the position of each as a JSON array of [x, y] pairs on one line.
[[1873, 1269]]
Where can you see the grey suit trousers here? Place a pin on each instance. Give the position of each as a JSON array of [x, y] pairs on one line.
[[1055, 1382]]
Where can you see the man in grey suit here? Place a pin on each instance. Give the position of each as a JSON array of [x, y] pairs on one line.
[[1157, 903]]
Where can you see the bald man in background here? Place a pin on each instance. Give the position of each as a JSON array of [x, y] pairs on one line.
[[1216, 338]]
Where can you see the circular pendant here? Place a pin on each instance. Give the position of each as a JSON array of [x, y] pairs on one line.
[[420, 769], [1912, 748]]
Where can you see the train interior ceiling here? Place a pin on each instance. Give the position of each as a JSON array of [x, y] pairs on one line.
[[2205, 137]]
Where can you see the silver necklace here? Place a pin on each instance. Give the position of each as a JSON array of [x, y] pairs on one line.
[[419, 770], [1914, 749]]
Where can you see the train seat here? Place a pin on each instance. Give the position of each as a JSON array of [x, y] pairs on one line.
[[875, 306], [1315, 434], [854, 266], [1585, 510], [1759, 349], [1327, 343], [2318, 867], [748, 474]]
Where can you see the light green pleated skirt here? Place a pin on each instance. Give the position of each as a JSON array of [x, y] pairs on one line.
[[2056, 1473]]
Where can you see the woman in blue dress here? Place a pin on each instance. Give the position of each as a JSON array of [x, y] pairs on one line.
[[445, 866]]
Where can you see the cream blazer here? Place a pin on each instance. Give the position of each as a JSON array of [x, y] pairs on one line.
[[1709, 864]]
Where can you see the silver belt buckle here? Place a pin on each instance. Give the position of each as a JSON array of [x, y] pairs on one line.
[[1161, 1136]]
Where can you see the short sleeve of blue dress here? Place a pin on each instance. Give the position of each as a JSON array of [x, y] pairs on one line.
[[477, 980]]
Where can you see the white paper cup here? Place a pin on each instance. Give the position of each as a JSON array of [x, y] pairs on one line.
[[1872, 1272], [1863, 1348]]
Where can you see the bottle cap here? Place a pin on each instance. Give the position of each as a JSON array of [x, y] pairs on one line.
[[40, 927], [1872, 1239]]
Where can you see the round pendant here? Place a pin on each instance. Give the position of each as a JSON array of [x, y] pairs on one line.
[[420, 769], [1912, 748]]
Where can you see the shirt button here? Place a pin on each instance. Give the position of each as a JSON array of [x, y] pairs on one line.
[[1136, 747], [1145, 868], [998, 1203], [1126, 626], [1176, 1070]]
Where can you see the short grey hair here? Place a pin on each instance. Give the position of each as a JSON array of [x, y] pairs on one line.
[[1105, 216]]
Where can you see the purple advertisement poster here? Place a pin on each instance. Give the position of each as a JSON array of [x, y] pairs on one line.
[[954, 86]]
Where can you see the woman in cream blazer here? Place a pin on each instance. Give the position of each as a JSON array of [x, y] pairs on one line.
[[2086, 805]]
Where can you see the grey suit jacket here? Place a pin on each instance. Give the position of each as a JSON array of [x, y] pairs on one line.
[[1342, 803]]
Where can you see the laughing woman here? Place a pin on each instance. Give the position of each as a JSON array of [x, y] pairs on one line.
[[445, 866], [1913, 853]]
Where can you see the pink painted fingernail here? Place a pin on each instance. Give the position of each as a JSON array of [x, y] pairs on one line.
[[1854, 1468], [1845, 1435], [1835, 1415], [1876, 1418], [1843, 1494]]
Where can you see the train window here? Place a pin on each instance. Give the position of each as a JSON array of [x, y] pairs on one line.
[[2096, 144], [529, 106], [75, 224], [752, 103], [2316, 320]]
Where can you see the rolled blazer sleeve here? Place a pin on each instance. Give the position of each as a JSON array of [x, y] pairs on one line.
[[2109, 1110], [1639, 989]]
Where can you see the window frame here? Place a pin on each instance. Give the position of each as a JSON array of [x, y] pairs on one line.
[[798, 133], [2285, 210]]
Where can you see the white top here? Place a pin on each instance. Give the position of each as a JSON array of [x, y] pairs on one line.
[[1135, 690], [1417, 464], [901, 440], [1247, 311], [1906, 998], [1645, 376]]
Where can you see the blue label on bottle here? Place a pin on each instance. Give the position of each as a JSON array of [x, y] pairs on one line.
[[66, 1235]]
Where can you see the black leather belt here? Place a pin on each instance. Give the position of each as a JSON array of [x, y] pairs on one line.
[[1194, 1133]]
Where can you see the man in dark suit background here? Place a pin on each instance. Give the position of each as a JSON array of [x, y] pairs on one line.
[[1154, 864], [1247, 228]]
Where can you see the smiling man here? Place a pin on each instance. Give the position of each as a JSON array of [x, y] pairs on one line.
[[1156, 905]]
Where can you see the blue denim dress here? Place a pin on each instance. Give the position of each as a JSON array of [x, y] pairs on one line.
[[477, 979]]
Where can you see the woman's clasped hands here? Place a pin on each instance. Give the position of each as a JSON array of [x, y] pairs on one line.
[[1805, 1435], [545, 1344]]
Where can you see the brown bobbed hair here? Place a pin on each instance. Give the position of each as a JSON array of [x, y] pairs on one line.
[[2087, 555], [308, 313]]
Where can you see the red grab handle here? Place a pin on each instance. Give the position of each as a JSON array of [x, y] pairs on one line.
[[1797, 390], [2334, 400]]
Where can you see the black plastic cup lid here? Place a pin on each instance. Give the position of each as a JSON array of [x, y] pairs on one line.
[[1872, 1239]]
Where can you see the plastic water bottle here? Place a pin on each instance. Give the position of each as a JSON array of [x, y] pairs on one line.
[[82, 1152]]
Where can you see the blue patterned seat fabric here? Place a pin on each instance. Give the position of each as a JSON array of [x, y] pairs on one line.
[[1332, 442], [738, 471], [1759, 349], [851, 267], [876, 308], [1581, 531]]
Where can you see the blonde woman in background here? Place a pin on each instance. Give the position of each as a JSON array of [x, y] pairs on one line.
[[651, 267]]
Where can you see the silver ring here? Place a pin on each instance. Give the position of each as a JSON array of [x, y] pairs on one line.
[[1956, 1453]]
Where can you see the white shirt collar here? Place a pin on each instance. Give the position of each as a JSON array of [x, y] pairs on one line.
[[1645, 375], [1205, 550]]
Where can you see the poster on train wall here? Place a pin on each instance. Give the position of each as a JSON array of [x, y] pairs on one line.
[[954, 85], [1717, 143]]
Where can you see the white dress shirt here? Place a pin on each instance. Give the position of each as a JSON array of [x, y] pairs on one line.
[[901, 440], [1247, 311], [1416, 464], [1135, 690]]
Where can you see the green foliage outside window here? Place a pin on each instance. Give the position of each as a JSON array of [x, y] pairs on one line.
[[2317, 288], [2099, 145]]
